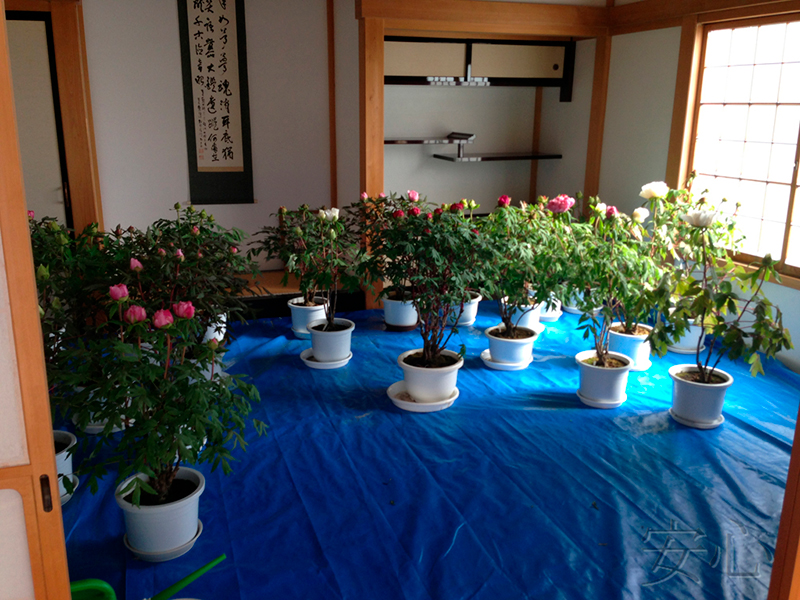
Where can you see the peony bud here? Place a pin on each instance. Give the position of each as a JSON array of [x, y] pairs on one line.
[[203, 213], [179, 254], [503, 201], [162, 252], [332, 234], [131, 229], [162, 318], [31, 215], [611, 212], [234, 250], [135, 314], [136, 265], [43, 273], [195, 230], [438, 211], [183, 310], [191, 209], [414, 211], [212, 343], [321, 215], [364, 195], [398, 214], [640, 214], [177, 206], [381, 195], [199, 254], [298, 232], [456, 207], [413, 195], [118, 292], [429, 216]]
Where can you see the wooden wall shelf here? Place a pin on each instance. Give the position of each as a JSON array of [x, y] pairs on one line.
[[496, 156]]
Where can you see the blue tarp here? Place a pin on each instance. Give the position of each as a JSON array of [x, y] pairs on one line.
[[516, 491]]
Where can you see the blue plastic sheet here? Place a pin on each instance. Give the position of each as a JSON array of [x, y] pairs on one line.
[[516, 491]]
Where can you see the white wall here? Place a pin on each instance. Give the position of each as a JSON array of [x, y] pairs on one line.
[[137, 99], [565, 129], [641, 89], [501, 119], [347, 111]]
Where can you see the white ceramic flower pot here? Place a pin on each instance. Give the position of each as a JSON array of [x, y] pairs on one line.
[[157, 531], [526, 316], [505, 350], [216, 331], [698, 405], [400, 315], [602, 387], [633, 346], [331, 346], [430, 385], [551, 312], [303, 315], [470, 312], [64, 457], [687, 343]]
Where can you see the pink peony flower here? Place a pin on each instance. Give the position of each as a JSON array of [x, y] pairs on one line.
[[183, 310], [162, 252], [179, 254], [31, 214], [135, 314], [136, 265], [364, 195], [415, 211], [560, 204], [438, 211], [611, 212], [162, 318], [195, 230], [503, 201], [398, 214], [118, 292], [413, 195]]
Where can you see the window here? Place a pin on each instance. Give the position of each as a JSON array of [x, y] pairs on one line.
[[746, 132]]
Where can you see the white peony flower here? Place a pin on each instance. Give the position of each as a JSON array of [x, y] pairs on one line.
[[699, 218], [640, 214], [332, 214], [601, 207], [654, 189]]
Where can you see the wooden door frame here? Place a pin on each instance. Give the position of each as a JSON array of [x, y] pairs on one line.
[[501, 19], [43, 523], [75, 105]]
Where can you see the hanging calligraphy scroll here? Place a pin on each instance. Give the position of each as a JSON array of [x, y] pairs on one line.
[[216, 103]]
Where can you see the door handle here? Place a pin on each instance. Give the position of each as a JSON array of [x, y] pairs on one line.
[[47, 496]]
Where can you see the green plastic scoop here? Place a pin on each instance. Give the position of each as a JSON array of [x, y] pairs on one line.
[[177, 587]]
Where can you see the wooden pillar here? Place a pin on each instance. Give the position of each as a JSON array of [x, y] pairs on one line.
[[370, 58], [683, 109], [76, 112], [537, 129]]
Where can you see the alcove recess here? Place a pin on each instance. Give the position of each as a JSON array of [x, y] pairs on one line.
[[448, 62]]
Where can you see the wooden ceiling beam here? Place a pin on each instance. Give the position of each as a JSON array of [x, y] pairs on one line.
[[656, 11], [478, 16]]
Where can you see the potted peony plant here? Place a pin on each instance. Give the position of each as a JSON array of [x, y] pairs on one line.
[[385, 261], [323, 249], [524, 267], [445, 257], [728, 300], [631, 304], [616, 274], [133, 371]]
